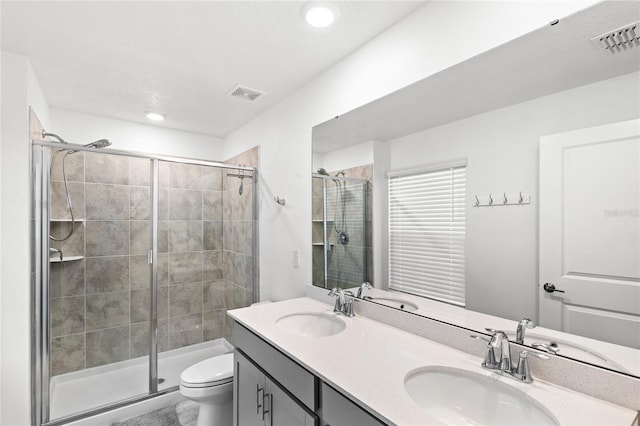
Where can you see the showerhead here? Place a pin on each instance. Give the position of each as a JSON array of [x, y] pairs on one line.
[[97, 144], [52, 135], [102, 143], [322, 172]]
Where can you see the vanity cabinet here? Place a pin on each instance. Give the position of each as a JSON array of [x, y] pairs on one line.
[[269, 388], [272, 389], [262, 402]]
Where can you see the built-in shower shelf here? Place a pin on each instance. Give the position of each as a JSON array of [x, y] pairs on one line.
[[322, 244], [65, 259], [67, 220]]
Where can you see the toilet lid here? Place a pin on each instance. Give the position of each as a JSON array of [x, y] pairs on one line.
[[210, 372]]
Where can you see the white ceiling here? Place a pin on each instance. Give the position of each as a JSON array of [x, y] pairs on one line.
[[181, 58], [548, 60]]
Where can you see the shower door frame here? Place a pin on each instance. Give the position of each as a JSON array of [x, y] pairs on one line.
[[40, 275]]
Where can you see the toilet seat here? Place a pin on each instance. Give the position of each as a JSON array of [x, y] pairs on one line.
[[211, 372]]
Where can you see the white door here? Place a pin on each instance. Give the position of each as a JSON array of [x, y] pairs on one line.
[[590, 232]]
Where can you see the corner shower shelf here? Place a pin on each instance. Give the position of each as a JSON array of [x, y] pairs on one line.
[[65, 259]]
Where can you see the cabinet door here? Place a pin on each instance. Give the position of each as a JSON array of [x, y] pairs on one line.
[[284, 411], [249, 393], [339, 411]]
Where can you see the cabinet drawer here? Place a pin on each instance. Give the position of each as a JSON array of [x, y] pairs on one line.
[[285, 371], [340, 411]]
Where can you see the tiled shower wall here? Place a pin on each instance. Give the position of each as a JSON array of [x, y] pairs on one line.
[[99, 304]]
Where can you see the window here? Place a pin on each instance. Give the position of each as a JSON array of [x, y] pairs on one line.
[[427, 232]]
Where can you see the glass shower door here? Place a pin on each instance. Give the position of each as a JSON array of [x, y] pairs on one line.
[[98, 293], [205, 262]]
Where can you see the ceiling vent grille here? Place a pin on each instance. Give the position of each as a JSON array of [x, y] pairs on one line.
[[620, 39], [246, 93]]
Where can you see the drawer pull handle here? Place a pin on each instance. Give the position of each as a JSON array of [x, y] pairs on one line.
[[259, 400], [265, 412]]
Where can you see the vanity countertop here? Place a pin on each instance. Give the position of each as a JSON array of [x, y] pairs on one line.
[[369, 360]]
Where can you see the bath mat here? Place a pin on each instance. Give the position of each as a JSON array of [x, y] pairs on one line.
[[163, 417]]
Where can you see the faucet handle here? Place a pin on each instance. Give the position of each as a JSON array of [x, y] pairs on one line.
[[338, 293], [522, 371], [526, 322], [365, 286], [483, 338], [489, 355], [546, 347]]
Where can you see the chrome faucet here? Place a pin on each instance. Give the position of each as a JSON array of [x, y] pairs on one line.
[[524, 324], [365, 286], [500, 341], [53, 251], [344, 302], [497, 357]]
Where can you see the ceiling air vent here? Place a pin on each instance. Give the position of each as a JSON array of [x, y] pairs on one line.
[[246, 93], [620, 39]]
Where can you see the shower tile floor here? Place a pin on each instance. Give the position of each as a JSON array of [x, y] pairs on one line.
[[84, 390]]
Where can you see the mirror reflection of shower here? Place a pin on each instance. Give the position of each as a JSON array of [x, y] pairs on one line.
[[340, 226], [101, 143]]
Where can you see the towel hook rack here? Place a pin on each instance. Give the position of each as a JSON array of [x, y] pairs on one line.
[[513, 199]]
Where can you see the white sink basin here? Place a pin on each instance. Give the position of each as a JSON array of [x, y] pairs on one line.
[[462, 397], [311, 324], [405, 305]]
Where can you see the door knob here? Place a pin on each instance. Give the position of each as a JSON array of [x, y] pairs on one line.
[[550, 288]]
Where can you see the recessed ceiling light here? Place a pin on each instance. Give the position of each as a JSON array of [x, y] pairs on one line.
[[319, 14], [154, 116]]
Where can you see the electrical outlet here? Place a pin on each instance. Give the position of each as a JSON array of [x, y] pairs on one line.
[[296, 258]]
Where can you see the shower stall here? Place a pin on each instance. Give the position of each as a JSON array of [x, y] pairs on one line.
[[341, 230], [135, 260]]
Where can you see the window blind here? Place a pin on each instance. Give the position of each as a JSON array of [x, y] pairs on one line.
[[427, 233]]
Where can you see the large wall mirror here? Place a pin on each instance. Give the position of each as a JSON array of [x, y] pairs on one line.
[[510, 116]]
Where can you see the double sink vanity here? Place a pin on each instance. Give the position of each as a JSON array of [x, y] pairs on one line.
[[299, 362]]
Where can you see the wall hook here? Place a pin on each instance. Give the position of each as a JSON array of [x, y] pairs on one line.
[[520, 200], [280, 201], [504, 198], [477, 200], [490, 200]]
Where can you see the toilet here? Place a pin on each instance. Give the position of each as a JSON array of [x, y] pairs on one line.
[[210, 383]]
